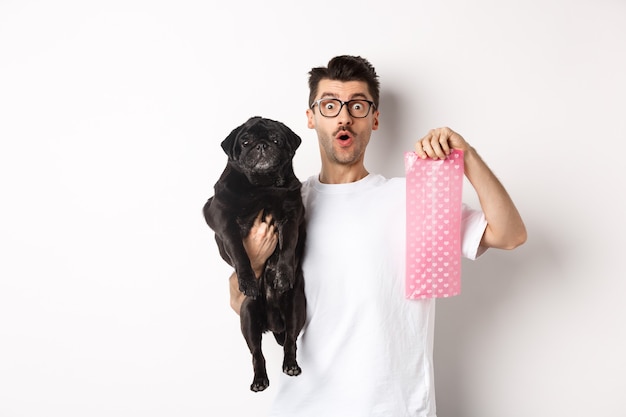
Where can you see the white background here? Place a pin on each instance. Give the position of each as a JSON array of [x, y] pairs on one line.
[[113, 298]]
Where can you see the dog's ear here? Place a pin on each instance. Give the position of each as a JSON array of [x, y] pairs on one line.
[[229, 145], [293, 140]]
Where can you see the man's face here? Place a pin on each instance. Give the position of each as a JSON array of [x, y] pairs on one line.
[[343, 138]]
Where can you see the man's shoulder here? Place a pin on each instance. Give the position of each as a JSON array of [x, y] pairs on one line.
[[308, 183]]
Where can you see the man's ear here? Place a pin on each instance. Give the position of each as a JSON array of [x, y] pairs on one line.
[[375, 122], [310, 115]]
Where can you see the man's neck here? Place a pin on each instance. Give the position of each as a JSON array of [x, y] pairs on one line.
[[342, 175]]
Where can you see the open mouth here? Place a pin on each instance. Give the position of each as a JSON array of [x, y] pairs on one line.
[[344, 135]]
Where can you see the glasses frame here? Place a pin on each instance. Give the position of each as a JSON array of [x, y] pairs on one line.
[[343, 103]]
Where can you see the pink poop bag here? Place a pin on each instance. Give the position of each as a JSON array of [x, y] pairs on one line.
[[433, 219]]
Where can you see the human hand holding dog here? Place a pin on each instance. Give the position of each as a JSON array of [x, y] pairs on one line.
[[259, 244]]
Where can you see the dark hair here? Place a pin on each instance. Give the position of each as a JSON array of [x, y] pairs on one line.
[[346, 68]]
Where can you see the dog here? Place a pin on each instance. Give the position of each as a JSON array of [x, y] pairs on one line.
[[259, 177]]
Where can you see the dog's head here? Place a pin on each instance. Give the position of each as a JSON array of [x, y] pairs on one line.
[[262, 149]]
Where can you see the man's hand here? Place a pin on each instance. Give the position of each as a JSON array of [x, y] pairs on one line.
[[259, 244], [438, 143]]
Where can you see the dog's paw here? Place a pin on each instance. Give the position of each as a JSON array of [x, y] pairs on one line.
[[259, 384], [283, 278], [292, 369], [250, 288]]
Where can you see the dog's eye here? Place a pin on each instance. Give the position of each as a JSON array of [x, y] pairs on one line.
[[244, 139]]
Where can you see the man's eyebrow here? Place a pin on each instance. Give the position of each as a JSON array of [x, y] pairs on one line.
[[352, 97]]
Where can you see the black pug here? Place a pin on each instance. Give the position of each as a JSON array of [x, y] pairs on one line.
[[259, 177]]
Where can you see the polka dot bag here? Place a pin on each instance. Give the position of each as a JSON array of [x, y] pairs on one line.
[[433, 218]]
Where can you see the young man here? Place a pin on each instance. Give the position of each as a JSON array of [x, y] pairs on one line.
[[366, 350]]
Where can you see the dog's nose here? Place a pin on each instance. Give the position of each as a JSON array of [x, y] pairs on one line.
[[261, 146]]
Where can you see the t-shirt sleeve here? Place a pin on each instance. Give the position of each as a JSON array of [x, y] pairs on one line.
[[473, 224]]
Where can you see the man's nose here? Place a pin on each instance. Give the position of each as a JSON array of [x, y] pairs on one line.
[[344, 115]]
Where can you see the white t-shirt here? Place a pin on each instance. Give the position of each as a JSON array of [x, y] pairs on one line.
[[365, 350]]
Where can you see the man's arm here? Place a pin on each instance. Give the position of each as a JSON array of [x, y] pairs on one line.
[[259, 244], [505, 228]]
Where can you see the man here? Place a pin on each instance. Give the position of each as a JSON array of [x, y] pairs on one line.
[[366, 350]]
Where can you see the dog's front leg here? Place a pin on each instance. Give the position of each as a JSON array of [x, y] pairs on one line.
[[284, 278], [248, 283], [233, 246]]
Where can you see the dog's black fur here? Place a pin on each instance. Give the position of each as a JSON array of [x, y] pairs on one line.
[[259, 177]]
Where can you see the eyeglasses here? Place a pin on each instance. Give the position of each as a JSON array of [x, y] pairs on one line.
[[331, 107]]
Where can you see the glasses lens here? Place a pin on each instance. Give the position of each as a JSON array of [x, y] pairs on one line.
[[358, 108], [330, 107]]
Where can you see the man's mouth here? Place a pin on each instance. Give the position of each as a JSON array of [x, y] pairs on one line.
[[344, 138], [343, 135]]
